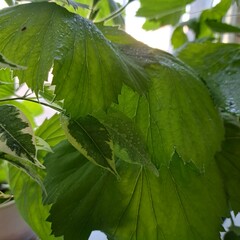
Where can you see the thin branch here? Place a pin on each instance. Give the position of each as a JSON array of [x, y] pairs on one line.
[[32, 100]]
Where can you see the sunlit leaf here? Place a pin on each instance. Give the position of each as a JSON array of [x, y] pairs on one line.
[[88, 70], [6, 83], [137, 206], [91, 139], [5, 63], [221, 76], [162, 10]]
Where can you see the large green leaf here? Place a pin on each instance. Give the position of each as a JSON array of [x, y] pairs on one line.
[[219, 65], [170, 116], [229, 162], [92, 139], [179, 204], [6, 63], [88, 70], [28, 194]]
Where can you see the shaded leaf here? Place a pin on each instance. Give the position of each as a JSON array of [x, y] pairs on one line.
[[221, 76], [229, 162], [91, 139], [137, 206], [88, 70]]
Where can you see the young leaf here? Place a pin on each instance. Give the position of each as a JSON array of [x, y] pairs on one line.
[[179, 204], [16, 134], [91, 139], [88, 70], [221, 77]]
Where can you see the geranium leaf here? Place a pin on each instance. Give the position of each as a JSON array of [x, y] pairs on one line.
[[91, 139], [16, 134], [229, 161], [138, 206], [128, 143], [221, 77], [28, 194], [88, 70]]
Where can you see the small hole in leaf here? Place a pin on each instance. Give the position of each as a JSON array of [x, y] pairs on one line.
[[24, 28]]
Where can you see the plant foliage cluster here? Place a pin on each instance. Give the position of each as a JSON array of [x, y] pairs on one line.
[[143, 144]]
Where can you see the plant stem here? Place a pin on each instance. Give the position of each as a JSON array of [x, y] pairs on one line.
[[115, 14], [34, 101]]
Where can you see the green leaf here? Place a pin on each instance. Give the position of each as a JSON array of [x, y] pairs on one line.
[[6, 63], [76, 49], [213, 14], [229, 162], [91, 139], [51, 131], [28, 194], [221, 77], [17, 137], [163, 10], [129, 144], [178, 37], [180, 204], [222, 27], [6, 83]]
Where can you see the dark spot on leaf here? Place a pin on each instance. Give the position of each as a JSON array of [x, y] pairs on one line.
[[23, 29]]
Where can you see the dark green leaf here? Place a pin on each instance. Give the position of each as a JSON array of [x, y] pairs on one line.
[[88, 70], [137, 206], [229, 162], [91, 139], [219, 65]]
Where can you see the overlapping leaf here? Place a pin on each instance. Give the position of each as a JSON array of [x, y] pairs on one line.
[[27, 193], [229, 162], [88, 71], [221, 76], [179, 204], [92, 139]]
